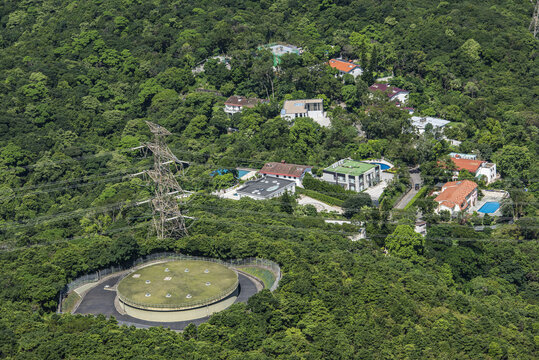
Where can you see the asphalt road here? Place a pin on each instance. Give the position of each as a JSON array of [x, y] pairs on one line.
[[101, 301], [416, 179]]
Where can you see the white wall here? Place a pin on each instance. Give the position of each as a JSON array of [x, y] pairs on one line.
[[402, 97], [488, 172], [231, 109]]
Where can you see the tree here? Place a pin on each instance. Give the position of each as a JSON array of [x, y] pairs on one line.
[[287, 203], [406, 243], [354, 204], [514, 162], [305, 136]]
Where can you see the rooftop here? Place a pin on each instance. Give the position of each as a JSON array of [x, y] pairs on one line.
[[284, 169], [422, 121], [278, 49], [454, 193], [391, 90], [350, 167], [467, 164], [463, 156], [341, 65], [298, 106], [236, 100], [264, 187]]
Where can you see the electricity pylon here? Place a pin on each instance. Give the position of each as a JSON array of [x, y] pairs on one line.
[[168, 220], [534, 25]]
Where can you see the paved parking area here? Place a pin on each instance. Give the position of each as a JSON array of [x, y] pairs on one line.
[[101, 301], [319, 205]]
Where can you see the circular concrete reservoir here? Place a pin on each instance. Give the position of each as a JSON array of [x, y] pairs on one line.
[[177, 290]]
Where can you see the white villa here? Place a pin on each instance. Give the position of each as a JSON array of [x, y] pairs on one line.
[[419, 123], [235, 104], [312, 108], [346, 67]]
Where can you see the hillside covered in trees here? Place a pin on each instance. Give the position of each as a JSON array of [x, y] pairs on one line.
[[79, 78]]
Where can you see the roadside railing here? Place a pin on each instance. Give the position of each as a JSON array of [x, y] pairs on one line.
[[181, 306], [102, 273]]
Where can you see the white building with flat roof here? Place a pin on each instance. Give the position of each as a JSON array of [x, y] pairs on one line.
[[312, 108], [266, 188], [420, 122], [352, 175]]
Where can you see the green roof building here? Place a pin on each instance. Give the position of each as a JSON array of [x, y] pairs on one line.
[[352, 175]]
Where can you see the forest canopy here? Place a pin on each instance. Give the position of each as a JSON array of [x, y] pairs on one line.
[[78, 80]]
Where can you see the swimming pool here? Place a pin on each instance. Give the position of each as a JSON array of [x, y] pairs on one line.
[[242, 173], [382, 166], [489, 207]]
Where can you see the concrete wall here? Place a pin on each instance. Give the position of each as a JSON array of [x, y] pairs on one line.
[[488, 172], [183, 315], [401, 97]]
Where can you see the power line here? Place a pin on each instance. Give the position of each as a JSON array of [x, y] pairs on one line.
[[168, 219]]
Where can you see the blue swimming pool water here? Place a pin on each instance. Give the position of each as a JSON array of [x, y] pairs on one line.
[[490, 207], [242, 173], [382, 166]]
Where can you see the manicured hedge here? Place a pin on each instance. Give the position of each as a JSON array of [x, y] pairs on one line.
[[332, 190], [321, 197], [419, 195]]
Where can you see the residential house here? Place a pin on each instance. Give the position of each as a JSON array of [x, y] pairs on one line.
[[313, 108], [283, 170], [278, 50], [421, 228], [410, 110], [420, 122], [479, 168], [352, 175], [266, 188], [222, 59], [235, 104], [457, 196], [463, 156], [346, 67], [394, 93]]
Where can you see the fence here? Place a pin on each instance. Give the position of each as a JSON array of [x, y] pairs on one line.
[[100, 274], [181, 306]]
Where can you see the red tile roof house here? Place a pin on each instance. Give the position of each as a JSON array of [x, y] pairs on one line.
[[235, 104], [394, 93], [479, 168], [283, 170], [346, 67], [457, 196]]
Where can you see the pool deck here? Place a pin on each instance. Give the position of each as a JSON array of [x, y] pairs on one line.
[[251, 173], [380, 161], [490, 196]]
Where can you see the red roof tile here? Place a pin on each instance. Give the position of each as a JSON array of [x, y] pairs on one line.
[[344, 66], [454, 193], [284, 169], [466, 164]]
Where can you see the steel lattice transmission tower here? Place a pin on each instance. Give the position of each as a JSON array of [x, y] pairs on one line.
[[534, 24], [167, 218]]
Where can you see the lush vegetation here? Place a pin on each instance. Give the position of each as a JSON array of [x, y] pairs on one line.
[[79, 78]]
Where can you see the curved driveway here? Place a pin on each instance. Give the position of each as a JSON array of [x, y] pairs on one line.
[[101, 301]]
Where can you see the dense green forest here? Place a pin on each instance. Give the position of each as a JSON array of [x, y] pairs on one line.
[[79, 78]]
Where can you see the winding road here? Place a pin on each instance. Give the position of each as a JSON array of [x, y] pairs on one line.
[[101, 301]]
